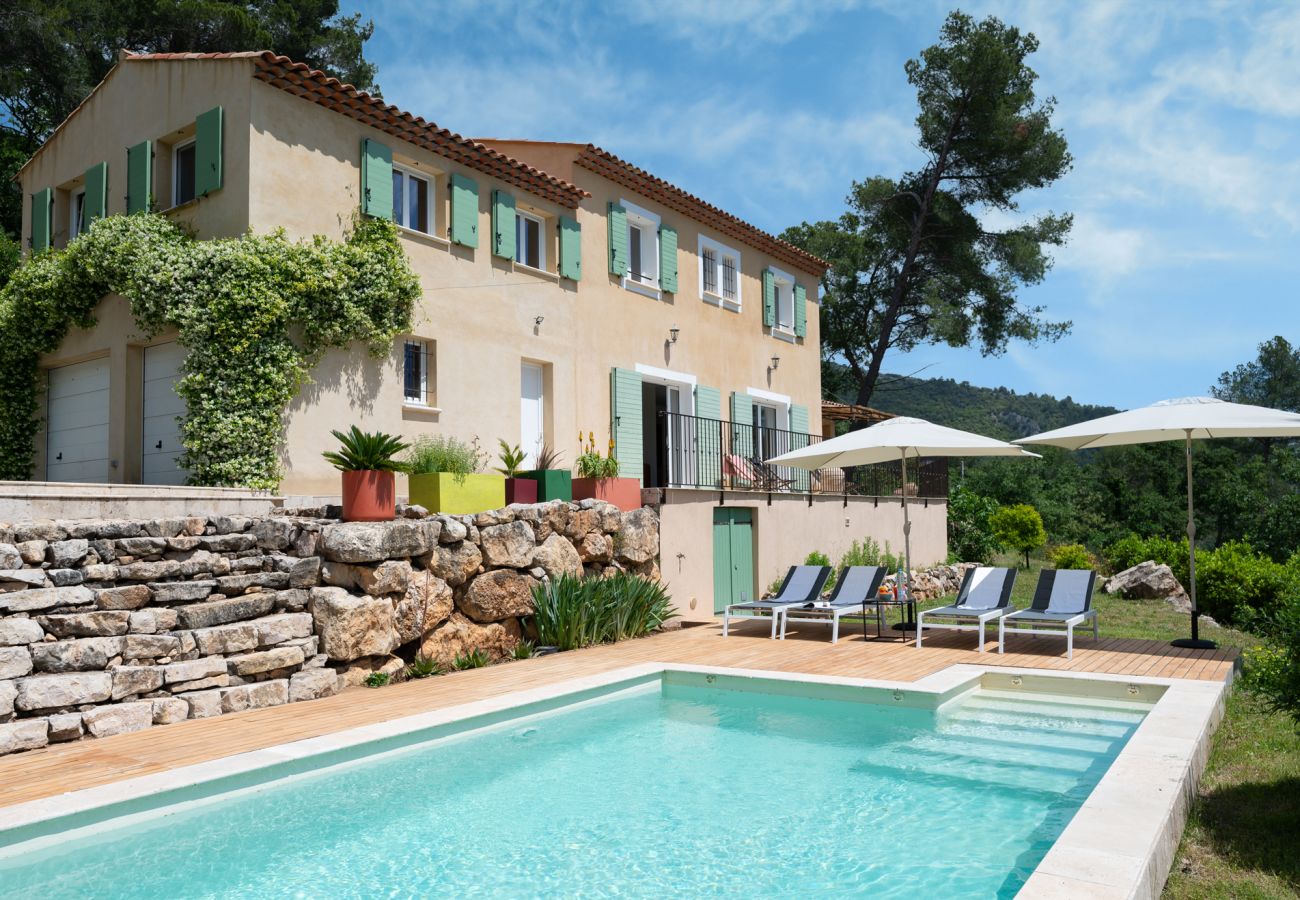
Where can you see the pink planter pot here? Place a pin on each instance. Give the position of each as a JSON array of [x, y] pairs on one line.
[[368, 496], [625, 493]]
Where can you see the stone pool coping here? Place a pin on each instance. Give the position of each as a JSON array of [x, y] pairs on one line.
[[1120, 843]]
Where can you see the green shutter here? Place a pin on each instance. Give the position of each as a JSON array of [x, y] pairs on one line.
[[708, 436], [668, 258], [42, 219], [625, 425], [503, 224], [139, 177], [617, 240], [96, 193], [800, 311], [570, 248], [464, 210], [799, 439], [742, 432], [769, 298], [376, 179], [207, 152]]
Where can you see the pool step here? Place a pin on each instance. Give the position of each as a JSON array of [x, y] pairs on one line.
[[1012, 738], [961, 771], [1037, 723], [1056, 707], [1018, 753], [1142, 707]]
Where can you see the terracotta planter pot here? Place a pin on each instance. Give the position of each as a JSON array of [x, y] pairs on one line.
[[521, 490], [368, 496], [625, 493], [552, 484]]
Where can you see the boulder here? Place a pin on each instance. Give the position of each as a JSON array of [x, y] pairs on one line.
[[353, 542], [166, 528], [351, 627], [46, 598], [131, 597], [10, 558], [580, 523], [596, 547], [31, 552], [426, 604], [230, 524], [313, 684], [509, 545], [27, 734], [356, 673], [305, 573], [88, 624], [454, 563], [453, 530], [557, 557], [129, 680], [58, 691], [460, 635], [390, 577], [120, 718], [65, 727], [638, 537], [219, 612], [496, 595], [80, 655], [19, 631], [411, 538], [65, 554], [1146, 581]]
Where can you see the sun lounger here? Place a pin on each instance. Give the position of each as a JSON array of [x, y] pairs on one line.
[[803, 584], [1062, 600], [856, 588], [985, 595]]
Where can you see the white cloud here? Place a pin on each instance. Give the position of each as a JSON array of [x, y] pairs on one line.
[[1105, 251], [727, 23]]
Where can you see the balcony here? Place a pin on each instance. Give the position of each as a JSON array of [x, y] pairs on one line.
[[712, 454]]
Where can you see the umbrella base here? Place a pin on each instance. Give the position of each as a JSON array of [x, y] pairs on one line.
[[1194, 644]]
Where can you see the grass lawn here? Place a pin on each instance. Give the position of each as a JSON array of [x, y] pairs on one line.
[[1243, 834]]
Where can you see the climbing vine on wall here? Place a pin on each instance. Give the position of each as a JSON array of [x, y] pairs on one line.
[[254, 313]]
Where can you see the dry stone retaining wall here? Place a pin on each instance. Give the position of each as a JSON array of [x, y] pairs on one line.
[[114, 626]]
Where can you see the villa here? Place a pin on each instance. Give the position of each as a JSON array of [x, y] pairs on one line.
[[565, 291]]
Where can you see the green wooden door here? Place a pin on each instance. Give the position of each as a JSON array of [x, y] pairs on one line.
[[733, 556]]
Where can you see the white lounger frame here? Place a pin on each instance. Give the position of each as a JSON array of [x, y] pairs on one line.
[[775, 613], [822, 615], [982, 619], [1054, 628]]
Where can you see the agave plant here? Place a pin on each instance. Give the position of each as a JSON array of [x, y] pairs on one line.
[[365, 451], [475, 659], [424, 667]]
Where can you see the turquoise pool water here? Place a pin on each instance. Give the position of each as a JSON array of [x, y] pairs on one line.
[[679, 790]]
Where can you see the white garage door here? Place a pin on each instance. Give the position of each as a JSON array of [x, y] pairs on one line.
[[77, 423], [161, 445]]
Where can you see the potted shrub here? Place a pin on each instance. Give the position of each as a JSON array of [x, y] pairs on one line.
[[598, 478], [518, 489], [553, 483], [442, 476], [367, 461]]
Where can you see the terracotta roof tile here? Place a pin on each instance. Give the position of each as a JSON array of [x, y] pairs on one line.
[[602, 162]]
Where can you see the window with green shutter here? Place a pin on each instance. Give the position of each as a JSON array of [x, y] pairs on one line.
[[139, 177], [42, 219], [668, 259], [769, 297], [800, 311], [376, 179], [96, 193], [207, 152], [617, 240], [464, 210], [503, 224], [570, 248]]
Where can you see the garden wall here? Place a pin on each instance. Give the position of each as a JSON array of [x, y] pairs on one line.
[[111, 626]]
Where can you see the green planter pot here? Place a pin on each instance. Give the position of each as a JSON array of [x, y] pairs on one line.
[[552, 484], [458, 494]]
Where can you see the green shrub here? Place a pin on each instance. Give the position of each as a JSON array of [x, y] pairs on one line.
[[1234, 583], [442, 453], [868, 553], [1071, 556], [475, 659], [1273, 669], [1130, 550], [1018, 527], [573, 612], [378, 679], [970, 534], [817, 558]]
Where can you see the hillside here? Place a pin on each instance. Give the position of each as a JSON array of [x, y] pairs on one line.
[[998, 412]]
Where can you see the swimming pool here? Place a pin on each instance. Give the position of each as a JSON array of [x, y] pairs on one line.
[[680, 785]]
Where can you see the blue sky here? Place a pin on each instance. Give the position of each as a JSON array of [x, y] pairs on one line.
[[1183, 119]]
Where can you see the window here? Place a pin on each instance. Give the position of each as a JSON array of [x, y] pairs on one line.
[[530, 248], [183, 173], [771, 440], [76, 214], [410, 200], [642, 246], [719, 272], [418, 372], [782, 304]]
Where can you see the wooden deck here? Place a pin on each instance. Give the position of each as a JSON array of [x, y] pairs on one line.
[[68, 767]]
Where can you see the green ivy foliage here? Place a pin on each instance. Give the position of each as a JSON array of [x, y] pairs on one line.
[[255, 314]]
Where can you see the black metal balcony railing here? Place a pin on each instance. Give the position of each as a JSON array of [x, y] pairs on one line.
[[713, 454]]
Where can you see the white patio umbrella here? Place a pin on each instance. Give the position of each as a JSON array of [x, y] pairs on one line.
[[896, 439], [1185, 419]]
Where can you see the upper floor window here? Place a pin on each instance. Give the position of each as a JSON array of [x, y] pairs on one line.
[[183, 190], [76, 213], [642, 246], [784, 305], [410, 200], [530, 243], [719, 272]]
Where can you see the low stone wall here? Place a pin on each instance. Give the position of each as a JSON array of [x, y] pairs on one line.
[[111, 626]]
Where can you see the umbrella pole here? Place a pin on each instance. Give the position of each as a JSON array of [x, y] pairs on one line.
[[1194, 642], [908, 623]]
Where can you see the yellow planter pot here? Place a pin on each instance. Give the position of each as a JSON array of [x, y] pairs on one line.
[[458, 494]]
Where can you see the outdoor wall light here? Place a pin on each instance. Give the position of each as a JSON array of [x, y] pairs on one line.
[[539, 320], [776, 364], [672, 334]]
